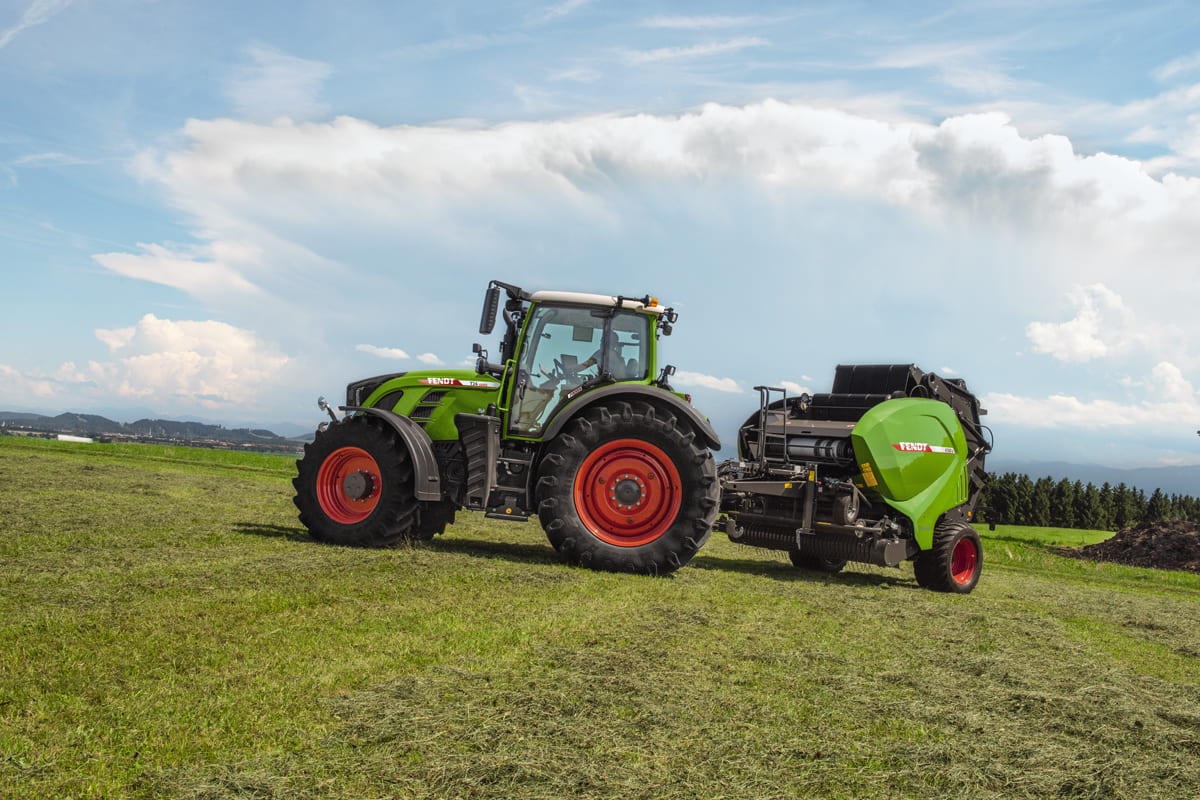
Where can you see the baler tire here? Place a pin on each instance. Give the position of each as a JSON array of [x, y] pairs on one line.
[[954, 562], [364, 445], [627, 487], [831, 566]]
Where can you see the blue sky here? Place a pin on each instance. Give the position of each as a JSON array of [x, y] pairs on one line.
[[222, 210]]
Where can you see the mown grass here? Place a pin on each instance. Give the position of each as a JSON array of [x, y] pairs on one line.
[[168, 630]]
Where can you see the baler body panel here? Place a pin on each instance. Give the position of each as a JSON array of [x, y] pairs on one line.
[[913, 454]]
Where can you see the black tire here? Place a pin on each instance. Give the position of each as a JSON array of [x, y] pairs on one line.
[[816, 563], [599, 496], [954, 562], [355, 485]]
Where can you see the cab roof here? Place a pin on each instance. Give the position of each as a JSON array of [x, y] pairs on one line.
[[597, 300]]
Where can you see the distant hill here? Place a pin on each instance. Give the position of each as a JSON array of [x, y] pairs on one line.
[[98, 427], [1172, 480]]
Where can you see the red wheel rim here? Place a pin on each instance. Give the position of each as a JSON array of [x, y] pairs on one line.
[[963, 560], [336, 502], [628, 492]]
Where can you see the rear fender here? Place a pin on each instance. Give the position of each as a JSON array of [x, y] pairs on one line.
[[703, 427], [427, 482]]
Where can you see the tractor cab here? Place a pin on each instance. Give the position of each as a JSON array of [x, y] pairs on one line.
[[559, 345]]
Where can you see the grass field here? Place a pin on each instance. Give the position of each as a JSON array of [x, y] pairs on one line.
[[167, 629]]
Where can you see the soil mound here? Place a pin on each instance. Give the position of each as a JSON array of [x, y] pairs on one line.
[[1172, 544]]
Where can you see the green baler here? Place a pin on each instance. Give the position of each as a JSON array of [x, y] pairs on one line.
[[886, 467]]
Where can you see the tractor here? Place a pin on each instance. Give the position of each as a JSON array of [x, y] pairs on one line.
[[577, 422]]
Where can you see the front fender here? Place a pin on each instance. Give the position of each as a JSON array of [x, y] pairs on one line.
[[427, 481], [640, 391]]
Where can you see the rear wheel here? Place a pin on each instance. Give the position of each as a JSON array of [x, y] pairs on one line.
[[355, 485], [954, 562], [626, 488]]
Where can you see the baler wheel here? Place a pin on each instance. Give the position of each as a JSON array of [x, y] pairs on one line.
[[355, 485], [626, 487], [954, 562]]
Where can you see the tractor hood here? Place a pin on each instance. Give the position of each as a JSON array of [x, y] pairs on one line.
[[368, 391], [431, 398]]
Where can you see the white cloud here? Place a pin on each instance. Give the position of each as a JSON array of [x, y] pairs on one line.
[[173, 362], [794, 388], [117, 338], [382, 352], [185, 271], [181, 366], [557, 11], [1101, 313], [684, 378], [430, 178], [1171, 403], [37, 13], [694, 51], [700, 22], [276, 84], [1176, 66], [17, 388], [431, 359]]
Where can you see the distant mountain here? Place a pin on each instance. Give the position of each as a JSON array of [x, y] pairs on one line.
[[1172, 480], [97, 426]]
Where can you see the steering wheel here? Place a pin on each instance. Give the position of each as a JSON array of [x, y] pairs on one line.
[[559, 371]]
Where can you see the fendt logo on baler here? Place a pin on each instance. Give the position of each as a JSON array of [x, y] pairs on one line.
[[918, 447]]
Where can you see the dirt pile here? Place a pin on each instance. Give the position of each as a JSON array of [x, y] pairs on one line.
[[1172, 544]]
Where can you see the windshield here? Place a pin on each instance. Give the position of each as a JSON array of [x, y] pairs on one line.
[[566, 346]]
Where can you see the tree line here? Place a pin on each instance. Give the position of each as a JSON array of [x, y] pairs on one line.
[[1020, 500]]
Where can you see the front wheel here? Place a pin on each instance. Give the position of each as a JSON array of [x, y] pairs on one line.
[[354, 485], [954, 562], [626, 488]]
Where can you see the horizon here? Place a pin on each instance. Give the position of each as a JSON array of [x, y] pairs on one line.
[[219, 214]]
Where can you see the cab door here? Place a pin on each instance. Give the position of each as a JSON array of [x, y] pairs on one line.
[[563, 347]]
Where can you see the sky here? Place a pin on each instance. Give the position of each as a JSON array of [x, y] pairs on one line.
[[220, 211]]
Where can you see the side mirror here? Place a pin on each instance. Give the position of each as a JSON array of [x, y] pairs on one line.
[[491, 304]]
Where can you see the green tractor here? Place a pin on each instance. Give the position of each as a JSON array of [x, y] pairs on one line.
[[576, 422]]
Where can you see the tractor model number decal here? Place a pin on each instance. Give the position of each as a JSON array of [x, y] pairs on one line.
[[457, 382], [918, 447]]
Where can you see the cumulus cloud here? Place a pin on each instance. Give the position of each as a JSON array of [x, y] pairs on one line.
[[1101, 315], [382, 352], [1171, 403], [430, 359], [180, 366], [170, 361], [976, 165], [699, 379]]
